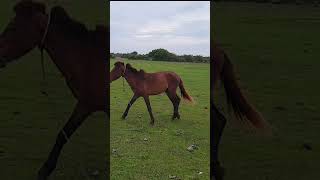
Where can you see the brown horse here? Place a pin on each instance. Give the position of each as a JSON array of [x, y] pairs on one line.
[[245, 112], [145, 84], [78, 53]]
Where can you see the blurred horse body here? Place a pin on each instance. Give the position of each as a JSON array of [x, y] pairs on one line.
[[223, 71], [79, 54]]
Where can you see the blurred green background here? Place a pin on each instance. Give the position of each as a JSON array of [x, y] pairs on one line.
[[275, 51]]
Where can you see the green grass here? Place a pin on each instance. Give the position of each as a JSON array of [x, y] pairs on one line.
[[30, 121], [275, 49], [165, 153]]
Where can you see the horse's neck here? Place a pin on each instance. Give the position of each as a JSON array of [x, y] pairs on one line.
[[132, 81], [58, 50]]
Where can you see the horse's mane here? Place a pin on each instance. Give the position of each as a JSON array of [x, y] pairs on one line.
[[118, 63], [140, 74], [75, 30], [69, 27]]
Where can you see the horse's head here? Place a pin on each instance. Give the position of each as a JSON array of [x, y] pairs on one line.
[[117, 71], [24, 32]]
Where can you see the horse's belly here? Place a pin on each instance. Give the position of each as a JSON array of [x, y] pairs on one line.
[[156, 92], [156, 88]]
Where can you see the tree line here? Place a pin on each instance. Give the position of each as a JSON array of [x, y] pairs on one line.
[[162, 55]]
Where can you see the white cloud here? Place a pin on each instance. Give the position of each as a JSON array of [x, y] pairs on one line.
[[181, 27], [143, 36], [158, 28]]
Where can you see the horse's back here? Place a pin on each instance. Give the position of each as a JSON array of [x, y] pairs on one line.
[[172, 77], [159, 82], [169, 76]]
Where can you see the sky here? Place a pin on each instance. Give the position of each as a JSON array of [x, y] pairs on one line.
[[181, 27]]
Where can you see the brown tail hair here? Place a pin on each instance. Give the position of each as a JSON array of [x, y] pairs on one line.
[[184, 93], [242, 109]]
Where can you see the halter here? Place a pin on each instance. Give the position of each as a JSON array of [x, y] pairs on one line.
[[42, 64], [124, 72], [45, 32], [41, 50]]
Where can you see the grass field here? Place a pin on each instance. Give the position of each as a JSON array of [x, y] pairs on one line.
[[275, 49], [30, 122], [164, 152]]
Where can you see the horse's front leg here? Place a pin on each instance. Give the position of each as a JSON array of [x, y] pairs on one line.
[[133, 99], [217, 125], [147, 101], [80, 113]]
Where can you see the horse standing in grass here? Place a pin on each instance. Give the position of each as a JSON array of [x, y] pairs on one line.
[[80, 55], [147, 84], [245, 112]]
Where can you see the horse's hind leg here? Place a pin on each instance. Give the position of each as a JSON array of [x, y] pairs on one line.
[[217, 125], [79, 114], [147, 101], [175, 99], [133, 99]]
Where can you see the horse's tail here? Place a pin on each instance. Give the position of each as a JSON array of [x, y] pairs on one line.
[[184, 93], [242, 109]]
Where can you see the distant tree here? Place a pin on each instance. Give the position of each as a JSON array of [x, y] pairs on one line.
[[134, 53], [162, 55], [187, 58]]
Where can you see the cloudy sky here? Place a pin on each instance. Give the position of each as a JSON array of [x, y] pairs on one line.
[[181, 27]]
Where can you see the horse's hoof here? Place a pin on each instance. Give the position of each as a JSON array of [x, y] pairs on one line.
[[152, 123], [175, 117], [123, 117]]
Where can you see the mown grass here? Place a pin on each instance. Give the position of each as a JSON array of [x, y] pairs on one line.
[[275, 49], [30, 122], [164, 153]]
